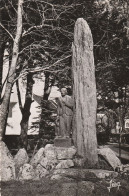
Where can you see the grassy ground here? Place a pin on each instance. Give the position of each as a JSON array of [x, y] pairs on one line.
[[43, 187], [47, 187]]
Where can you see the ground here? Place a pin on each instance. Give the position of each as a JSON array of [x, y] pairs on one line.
[[71, 187]]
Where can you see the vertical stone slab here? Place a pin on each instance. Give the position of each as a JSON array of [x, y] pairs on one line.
[[84, 92]]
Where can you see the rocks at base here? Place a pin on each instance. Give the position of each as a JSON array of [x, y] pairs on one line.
[[71, 173], [110, 157], [61, 171], [49, 151], [7, 163], [60, 153], [45, 161], [37, 157], [55, 162], [61, 178], [43, 164], [48, 164], [79, 162], [126, 168], [56, 177], [123, 168], [83, 174], [64, 164], [21, 158], [101, 174], [65, 153], [40, 172], [26, 172]]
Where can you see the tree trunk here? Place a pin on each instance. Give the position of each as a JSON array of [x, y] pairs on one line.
[[12, 71], [47, 87], [47, 90], [84, 93], [1, 65], [26, 112], [1, 56]]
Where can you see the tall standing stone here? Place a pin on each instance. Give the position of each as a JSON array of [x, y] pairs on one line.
[[84, 92]]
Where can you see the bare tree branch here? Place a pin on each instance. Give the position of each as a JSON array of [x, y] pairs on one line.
[[7, 31], [37, 69]]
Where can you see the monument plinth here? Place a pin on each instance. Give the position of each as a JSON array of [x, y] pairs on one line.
[[62, 142]]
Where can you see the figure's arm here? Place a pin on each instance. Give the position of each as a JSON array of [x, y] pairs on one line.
[[69, 103]]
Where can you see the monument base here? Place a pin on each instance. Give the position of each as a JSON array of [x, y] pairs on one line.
[[62, 142]]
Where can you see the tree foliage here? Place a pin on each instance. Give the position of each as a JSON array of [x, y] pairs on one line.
[[111, 46]]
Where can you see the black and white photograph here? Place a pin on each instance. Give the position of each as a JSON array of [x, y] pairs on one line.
[[64, 97]]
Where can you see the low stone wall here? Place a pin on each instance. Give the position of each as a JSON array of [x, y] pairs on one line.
[[41, 164], [51, 162]]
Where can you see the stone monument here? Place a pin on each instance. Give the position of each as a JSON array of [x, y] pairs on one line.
[[84, 93], [64, 119]]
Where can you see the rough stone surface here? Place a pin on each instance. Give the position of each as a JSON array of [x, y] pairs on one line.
[[49, 151], [56, 177], [61, 171], [48, 164], [40, 172], [60, 153], [64, 164], [65, 153], [110, 157], [26, 172], [84, 93], [61, 177], [126, 168], [49, 146], [37, 157], [86, 174], [123, 168], [71, 173], [78, 162], [99, 173], [21, 158], [7, 164]]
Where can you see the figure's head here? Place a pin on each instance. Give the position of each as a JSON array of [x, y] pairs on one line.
[[63, 92]]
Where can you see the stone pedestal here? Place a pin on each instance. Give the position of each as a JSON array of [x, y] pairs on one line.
[[62, 142]]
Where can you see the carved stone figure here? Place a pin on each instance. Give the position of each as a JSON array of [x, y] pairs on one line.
[[64, 114]]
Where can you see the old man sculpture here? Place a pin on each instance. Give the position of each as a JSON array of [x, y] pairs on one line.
[[64, 114]]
